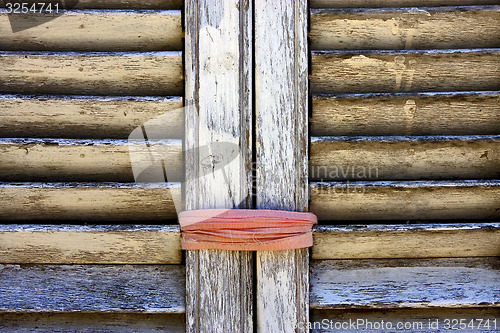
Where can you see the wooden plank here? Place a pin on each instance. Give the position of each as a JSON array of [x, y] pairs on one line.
[[429, 320], [383, 158], [281, 100], [86, 117], [407, 28], [88, 201], [406, 200], [405, 283], [395, 3], [92, 322], [84, 160], [115, 4], [92, 288], [90, 244], [470, 113], [405, 71], [407, 241], [121, 74], [218, 116], [92, 31]]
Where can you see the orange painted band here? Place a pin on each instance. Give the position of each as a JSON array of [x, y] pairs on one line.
[[246, 230]]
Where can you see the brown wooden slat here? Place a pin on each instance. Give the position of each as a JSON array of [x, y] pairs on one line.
[[405, 71], [472, 113], [408, 28], [121, 74], [392, 158], [415, 200], [395, 3], [115, 4]]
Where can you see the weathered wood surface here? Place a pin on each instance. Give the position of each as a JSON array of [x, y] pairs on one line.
[[57, 160], [92, 31], [218, 113], [121, 74], [428, 320], [407, 28], [407, 241], [90, 244], [471, 113], [395, 3], [92, 322], [92, 288], [406, 200], [405, 283], [88, 201], [117, 4], [83, 117], [405, 71], [281, 99], [388, 158]]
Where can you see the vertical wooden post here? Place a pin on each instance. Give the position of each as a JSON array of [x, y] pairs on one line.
[[218, 110], [281, 93]]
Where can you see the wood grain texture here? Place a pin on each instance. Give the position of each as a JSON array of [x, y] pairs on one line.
[[92, 31], [471, 113], [56, 160], [92, 288], [405, 283], [407, 28], [391, 158], [405, 71], [88, 201], [117, 4], [92, 322], [90, 244], [83, 117], [406, 200], [281, 99], [219, 117], [120, 74], [407, 241], [428, 320], [395, 3]]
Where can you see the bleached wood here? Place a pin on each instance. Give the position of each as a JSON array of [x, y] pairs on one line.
[[92, 288], [395, 3], [119, 4], [405, 283], [281, 127], [407, 241], [82, 160], [406, 200], [90, 244], [88, 201], [384, 158], [218, 114], [92, 31], [405, 71], [82, 117], [121, 74], [472, 113], [406, 28]]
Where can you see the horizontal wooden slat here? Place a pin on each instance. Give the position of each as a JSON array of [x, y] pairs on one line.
[[74, 322], [86, 117], [425, 320], [407, 241], [92, 288], [122, 74], [387, 158], [405, 283], [113, 4], [406, 200], [90, 244], [88, 201], [405, 71], [393, 3], [472, 113], [407, 28], [85, 160], [91, 31]]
